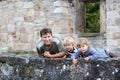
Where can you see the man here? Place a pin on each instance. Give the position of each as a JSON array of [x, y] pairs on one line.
[[49, 46]]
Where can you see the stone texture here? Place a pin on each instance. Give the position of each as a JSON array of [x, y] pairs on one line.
[[32, 67]]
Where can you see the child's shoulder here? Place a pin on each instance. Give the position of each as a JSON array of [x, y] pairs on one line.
[[76, 50], [91, 49]]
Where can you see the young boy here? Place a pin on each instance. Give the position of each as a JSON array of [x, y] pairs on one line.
[[49, 46], [72, 51], [90, 53]]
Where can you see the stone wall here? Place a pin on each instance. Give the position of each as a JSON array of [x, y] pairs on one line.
[[113, 25], [32, 67], [21, 21]]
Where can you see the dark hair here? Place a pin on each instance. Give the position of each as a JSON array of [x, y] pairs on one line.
[[45, 31]]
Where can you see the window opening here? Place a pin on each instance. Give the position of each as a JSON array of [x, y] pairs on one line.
[[92, 17]]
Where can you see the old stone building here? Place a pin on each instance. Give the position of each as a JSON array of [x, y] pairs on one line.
[[21, 21]]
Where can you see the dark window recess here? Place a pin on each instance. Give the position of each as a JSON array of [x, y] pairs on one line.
[[92, 17]]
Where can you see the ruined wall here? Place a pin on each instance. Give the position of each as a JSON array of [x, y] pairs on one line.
[[113, 25], [21, 21], [32, 67]]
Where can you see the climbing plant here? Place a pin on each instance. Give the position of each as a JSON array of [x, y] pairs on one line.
[[92, 17]]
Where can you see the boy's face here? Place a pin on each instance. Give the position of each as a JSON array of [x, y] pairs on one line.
[[47, 38], [69, 47], [83, 48]]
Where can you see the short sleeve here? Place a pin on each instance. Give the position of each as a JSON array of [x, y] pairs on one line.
[[39, 47], [59, 43]]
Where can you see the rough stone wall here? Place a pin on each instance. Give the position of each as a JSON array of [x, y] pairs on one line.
[[113, 25], [31, 67], [21, 21]]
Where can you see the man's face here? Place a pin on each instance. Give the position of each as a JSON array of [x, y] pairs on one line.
[[47, 38], [83, 48]]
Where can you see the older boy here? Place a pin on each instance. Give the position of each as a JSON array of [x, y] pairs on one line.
[[49, 46]]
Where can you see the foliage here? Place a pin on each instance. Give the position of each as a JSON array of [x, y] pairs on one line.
[[92, 17]]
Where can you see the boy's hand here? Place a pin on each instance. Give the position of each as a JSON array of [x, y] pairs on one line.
[[74, 61], [47, 54], [86, 59]]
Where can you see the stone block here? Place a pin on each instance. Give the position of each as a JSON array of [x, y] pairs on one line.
[[111, 42], [109, 35], [61, 3], [112, 1], [116, 36], [118, 41], [21, 19], [10, 28], [112, 29], [28, 5], [20, 47], [59, 10], [117, 21], [110, 22], [112, 14], [4, 37]]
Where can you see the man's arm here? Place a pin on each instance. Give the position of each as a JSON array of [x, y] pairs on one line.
[[57, 55], [62, 51]]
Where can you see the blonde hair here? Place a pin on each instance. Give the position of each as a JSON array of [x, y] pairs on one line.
[[68, 40], [82, 41]]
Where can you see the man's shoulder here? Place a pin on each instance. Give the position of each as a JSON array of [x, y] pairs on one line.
[[40, 43], [56, 39]]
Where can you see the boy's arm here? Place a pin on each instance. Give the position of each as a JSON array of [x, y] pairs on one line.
[[87, 59], [93, 55]]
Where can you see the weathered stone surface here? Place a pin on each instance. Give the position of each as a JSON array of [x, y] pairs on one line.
[[15, 67]]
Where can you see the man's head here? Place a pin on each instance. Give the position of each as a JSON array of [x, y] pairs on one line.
[[68, 43], [46, 35], [83, 44]]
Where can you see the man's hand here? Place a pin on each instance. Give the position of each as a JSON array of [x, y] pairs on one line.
[[57, 55], [47, 54], [86, 59]]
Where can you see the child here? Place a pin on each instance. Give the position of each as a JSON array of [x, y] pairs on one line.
[[90, 53], [72, 51], [49, 46]]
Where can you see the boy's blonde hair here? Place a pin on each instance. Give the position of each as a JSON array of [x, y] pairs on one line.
[[68, 40], [82, 41]]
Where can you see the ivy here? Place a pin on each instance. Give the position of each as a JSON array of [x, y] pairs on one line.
[[92, 17]]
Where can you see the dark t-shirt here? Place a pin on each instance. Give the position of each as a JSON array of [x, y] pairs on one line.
[[56, 46]]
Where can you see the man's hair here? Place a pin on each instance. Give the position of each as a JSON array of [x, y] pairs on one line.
[[44, 31], [82, 41], [68, 40]]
